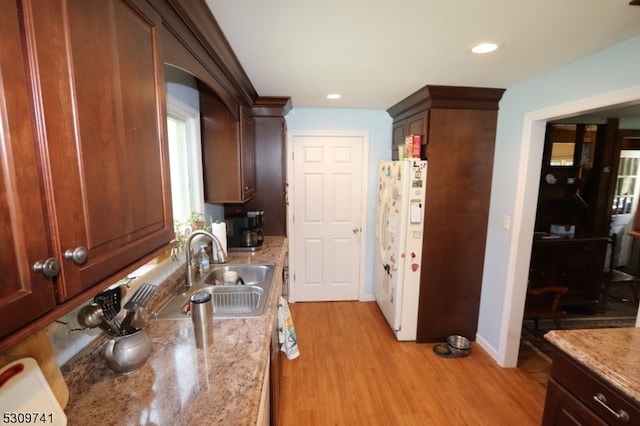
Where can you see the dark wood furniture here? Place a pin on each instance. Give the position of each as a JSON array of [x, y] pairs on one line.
[[84, 134], [458, 133], [544, 303], [584, 191], [578, 396], [572, 178], [560, 201], [573, 263]]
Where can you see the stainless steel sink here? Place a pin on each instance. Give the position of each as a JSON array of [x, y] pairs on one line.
[[229, 301], [250, 274]]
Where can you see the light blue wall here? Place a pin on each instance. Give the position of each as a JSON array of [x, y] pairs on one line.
[[378, 124], [613, 69]]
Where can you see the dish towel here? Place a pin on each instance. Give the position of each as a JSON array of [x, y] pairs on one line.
[[286, 330]]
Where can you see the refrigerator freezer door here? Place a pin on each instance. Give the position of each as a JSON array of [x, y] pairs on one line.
[[392, 224], [399, 216]]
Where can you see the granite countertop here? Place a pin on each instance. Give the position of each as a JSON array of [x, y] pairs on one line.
[[180, 384], [612, 353]]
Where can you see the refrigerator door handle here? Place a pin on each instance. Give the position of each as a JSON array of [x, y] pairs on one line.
[[382, 221]]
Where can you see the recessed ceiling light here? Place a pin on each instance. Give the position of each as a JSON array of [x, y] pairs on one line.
[[334, 96], [485, 47]]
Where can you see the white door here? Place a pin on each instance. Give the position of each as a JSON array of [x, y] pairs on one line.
[[625, 202], [327, 185]]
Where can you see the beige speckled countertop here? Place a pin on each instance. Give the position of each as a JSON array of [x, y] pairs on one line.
[[180, 384], [612, 353]]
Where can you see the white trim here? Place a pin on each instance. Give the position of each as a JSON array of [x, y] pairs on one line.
[[191, 116], [523, 221], [291, 135]]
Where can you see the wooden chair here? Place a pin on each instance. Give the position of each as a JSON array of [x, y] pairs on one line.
[[616, 276], [544, 303]]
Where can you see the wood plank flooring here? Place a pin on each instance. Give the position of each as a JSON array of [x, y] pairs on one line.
[[534, 362], [352, 371]]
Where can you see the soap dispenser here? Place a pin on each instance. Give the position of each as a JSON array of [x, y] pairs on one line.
[[203, 260]]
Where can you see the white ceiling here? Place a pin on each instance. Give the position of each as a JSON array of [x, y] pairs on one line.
[[377, 52]]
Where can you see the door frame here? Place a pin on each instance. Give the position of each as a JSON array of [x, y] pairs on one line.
[[291, 135], [533, 132]]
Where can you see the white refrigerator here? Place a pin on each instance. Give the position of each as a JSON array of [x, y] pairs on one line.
[[399, 221]]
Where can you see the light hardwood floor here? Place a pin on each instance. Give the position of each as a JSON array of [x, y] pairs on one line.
[[352, 371]]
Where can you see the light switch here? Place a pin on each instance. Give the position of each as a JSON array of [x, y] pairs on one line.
[[506, 222]]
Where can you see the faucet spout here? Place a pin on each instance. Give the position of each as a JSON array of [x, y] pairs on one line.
[[219, 257]]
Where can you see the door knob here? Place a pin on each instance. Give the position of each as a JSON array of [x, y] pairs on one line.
[[49, 268], [357, 230], [78, 255]]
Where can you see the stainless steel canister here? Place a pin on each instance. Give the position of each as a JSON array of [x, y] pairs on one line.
[[202, 317]]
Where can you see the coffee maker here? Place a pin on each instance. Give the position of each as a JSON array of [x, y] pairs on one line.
[[244, 231]]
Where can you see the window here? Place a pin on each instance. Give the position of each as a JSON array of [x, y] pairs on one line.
[[185, 159]]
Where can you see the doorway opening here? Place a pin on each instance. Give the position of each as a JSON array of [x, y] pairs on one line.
[[571, 176], [527, 183]]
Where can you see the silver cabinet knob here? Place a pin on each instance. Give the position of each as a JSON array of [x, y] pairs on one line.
[[78, 255], [49, 268]]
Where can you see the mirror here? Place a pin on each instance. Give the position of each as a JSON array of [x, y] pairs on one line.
[[562, 153], [570, 145], [562, 145]]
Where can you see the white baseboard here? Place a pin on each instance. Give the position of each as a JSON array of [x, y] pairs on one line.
[[484, 344], [368, 298]]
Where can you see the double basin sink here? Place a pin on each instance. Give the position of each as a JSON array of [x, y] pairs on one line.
[[229, 300]]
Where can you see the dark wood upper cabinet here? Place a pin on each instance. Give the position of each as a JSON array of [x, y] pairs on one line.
[[87, 125], [84, 158], [415, 124], [24, 295], [104, 128], [271, 165], [247, 154], [228, 150]]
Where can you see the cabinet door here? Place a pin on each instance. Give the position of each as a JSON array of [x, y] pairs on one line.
[[103, 116], [270, 167], [24, 295], [416, 124], [399, 132], [220, 152], [228, 150], [563, 409], [248, 154]]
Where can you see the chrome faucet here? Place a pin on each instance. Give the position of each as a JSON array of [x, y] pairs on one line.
[[219, 257]]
